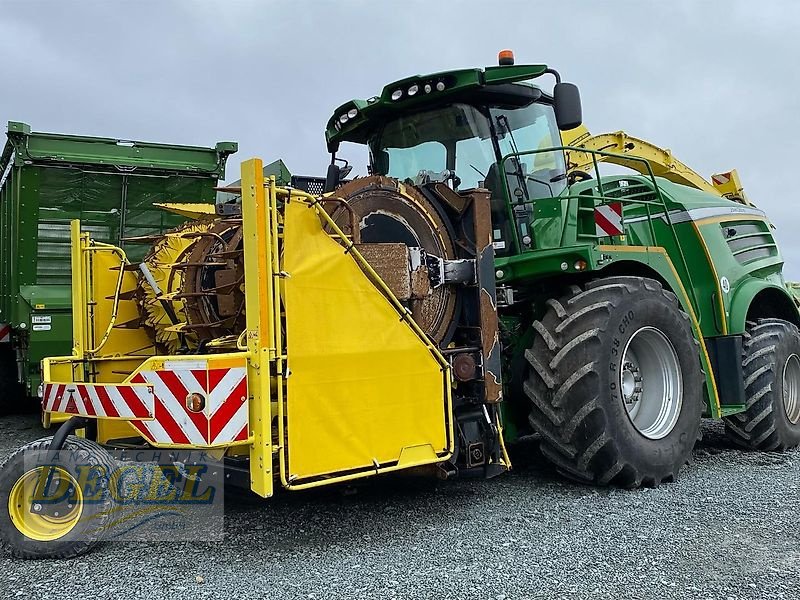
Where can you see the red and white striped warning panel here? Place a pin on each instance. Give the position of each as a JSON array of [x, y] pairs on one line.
[[721, 178], [608, 219], [5, 332], [186, 403], [223, 418], [95, 400]]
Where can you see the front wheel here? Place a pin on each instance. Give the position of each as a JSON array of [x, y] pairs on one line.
[[771, 364], [57, 508], [615, 383]]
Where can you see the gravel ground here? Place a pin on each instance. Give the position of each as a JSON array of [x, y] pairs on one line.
[[727, 529]]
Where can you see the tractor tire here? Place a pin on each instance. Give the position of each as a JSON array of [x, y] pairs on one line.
[[771, 363], [615, 383], [30, 533], [11, 399]]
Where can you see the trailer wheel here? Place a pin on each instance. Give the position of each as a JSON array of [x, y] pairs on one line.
[[771, 361], [10, 389], [615, 383], [70, 517]]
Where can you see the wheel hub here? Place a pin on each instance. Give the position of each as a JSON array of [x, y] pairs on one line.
[[791, 388], [51, 521], [651, 383], [631, 382]]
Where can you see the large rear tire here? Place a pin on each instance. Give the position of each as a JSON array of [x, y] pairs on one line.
[[771, 364], [615, 383]]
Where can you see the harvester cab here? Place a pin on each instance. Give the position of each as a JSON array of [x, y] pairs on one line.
[[493, 128]]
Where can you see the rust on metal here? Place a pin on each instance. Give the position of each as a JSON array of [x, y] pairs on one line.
[[390, 262], [420, 284], [387, 211], [213, 298], [465, 368], [450, 197], [489, 321]]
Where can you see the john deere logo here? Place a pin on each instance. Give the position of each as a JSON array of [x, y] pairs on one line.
[[725, 284]]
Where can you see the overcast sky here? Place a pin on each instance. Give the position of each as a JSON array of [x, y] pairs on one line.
[[716, 82]]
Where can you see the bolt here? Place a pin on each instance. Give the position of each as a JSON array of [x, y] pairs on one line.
[[37, 508]]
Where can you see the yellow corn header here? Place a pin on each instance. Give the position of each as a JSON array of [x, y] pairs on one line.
[[330, 380]]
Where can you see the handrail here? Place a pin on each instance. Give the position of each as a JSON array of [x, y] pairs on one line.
[[647, 173]]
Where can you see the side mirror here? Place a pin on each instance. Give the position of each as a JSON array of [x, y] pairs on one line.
[[567, 104], [332, 177]]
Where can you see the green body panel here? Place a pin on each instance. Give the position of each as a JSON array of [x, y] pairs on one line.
[[716, 255], [724, 253], [111, 186]]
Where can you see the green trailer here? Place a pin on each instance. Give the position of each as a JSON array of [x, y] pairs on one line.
[[111, 185]]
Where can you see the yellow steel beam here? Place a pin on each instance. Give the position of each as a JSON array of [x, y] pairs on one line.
[[77, 247], [260, 322], [661, 161], [623, 145], [192, 210]]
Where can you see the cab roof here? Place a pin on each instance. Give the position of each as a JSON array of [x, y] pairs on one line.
[[431, 90]]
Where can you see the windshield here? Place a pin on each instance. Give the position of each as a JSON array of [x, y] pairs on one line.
[[464, 144], [455, 137], [459, 138], [521, 130]]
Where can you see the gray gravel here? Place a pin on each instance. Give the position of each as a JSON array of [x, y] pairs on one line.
[[727, 529]]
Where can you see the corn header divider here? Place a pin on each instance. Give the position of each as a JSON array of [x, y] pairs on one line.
[[391, 410]]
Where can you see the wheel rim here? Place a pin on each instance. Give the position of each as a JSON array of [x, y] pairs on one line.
[[45, 523], [791, 388], [651, 383]]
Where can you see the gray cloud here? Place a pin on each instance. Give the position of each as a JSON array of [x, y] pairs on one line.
[[714, 81]]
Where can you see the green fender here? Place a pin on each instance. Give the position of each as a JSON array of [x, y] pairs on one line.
[[742, 299], [657, 261]]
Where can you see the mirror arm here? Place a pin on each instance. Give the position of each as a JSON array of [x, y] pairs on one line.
[[554, 73]]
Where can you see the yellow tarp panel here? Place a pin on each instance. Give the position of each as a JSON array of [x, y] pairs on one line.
[[362, 386]]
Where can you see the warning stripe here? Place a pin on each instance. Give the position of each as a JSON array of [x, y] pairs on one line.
[[158, 409], [721, 178], [106, 403], [176, 434], [179, 385], [171, 411], [231, 416], [98, 400], [5, 332], [608, 219]]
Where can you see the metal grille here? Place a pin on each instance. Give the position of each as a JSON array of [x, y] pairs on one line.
[[629, 189], [312, 185], [749, 240]]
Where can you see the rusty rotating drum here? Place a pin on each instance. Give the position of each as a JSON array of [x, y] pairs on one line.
[[213, 291], [394, 223], [402, 234]]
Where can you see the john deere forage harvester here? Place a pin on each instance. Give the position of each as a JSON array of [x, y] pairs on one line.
[[474, 288]]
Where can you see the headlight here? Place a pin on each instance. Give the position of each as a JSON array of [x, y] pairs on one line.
[[428, 88], [440, 86], [396, 95], [413, 89], [352, 113], [343, 119]]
